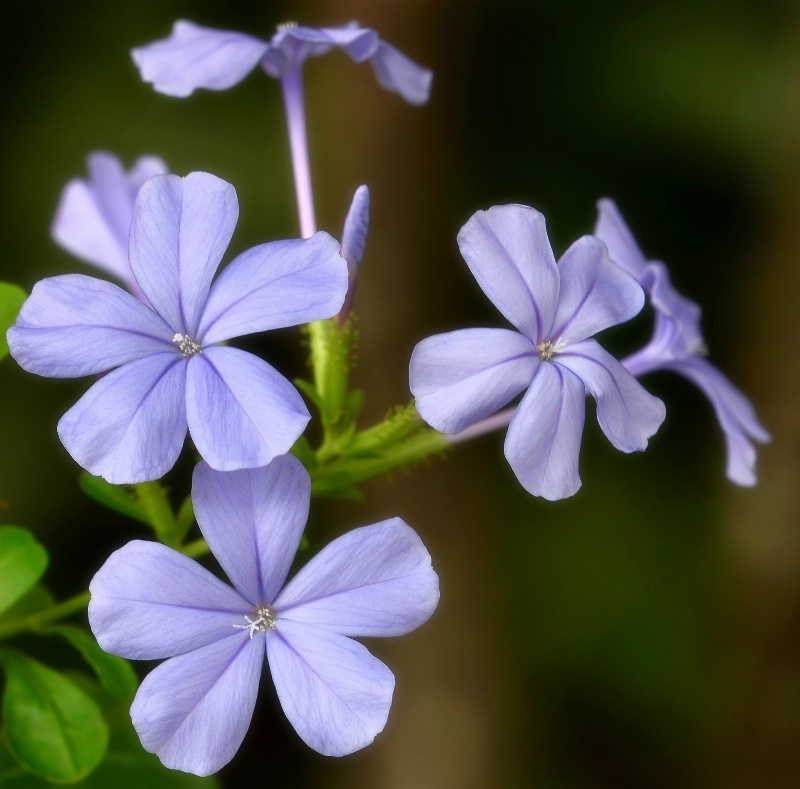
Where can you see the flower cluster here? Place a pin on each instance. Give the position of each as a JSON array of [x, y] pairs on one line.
[[164, 367]]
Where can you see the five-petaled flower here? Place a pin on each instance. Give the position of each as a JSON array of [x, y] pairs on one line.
[[172, 373], [464, 376], [200, 57], [677, 345], [93, 218], [150, 602]]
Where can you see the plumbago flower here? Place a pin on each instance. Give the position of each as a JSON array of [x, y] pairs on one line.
[[93, 218], [678, 345], [354, 242], [200, 57], [171, 373], [462, 377], [150, 602]]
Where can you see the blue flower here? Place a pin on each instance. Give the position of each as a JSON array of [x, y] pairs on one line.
[[93, 218], [677, 345], [171, 372], [150, 602], [200, 57], [464, 376]]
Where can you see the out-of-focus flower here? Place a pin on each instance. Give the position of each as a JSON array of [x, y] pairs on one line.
[[464, 376], [151, 602], [677, 345]]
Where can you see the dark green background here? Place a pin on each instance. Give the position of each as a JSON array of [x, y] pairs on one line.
[[644, 633]]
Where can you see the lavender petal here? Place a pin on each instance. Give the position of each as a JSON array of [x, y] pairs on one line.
[[372, 581], [615, 233], [333, 691], [396, 72]]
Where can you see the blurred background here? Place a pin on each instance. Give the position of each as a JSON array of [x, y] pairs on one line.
[[645, 632]]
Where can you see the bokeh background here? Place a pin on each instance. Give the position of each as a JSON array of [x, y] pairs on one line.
[[645, 632]]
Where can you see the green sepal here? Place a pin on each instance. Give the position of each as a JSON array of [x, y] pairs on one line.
[[53, 729], [23, 561], [116, 497], [116, 674], [11, 300]]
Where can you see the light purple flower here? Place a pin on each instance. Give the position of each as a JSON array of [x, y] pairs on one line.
[[171, 371], [151, 602], [200, 57], [93, 218], [463, 377], [677, 345]]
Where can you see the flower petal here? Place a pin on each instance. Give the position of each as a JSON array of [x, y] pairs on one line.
[[508, 253], [197, 57], [735, 414], [253, 520], [544, 437], [75, 325], [130, 426], [194, 710], [595, 292], [372, 581], [149, 602], [241, 412], [181, 228], [622, 246], [396, 72], [283, 283], [356, 227], [463, 376], [628, 414], [333, 691]]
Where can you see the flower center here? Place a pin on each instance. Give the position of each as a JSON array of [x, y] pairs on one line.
[[264, 619], [186, 345], [547, 349], [286, 26]]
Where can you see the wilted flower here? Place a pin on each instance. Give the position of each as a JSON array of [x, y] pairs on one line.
[[464, 376], [677, 345], [151, 602], [171, 371]]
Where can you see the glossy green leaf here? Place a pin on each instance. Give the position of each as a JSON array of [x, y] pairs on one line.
[[11, 298], [116, 674], [54, 730], [22, 563], [115, 497], [37, 599]]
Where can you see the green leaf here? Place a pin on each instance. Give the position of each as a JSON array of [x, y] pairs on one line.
[[37, 599], [115, 497], [54, 729], [153, 502], [116, 674], [184, 520], [22, 563], [11, 298]]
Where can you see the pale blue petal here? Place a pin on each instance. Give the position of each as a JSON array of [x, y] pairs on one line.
[[544, 437], [356, 227], [333, 691], [75, 325], [181, 228], [735, 414], [595, 293], [149, 602], [193, 711], [197, 57], [628, 414], [283, 283], [372, 581], [253, 520], [130, 426], [242, 413], [463, 376], [508, 252], [677, 331], [396, 72], [622, 246]]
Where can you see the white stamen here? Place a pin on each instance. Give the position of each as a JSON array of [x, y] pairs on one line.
[[698, 347], [264, 620], [286, 26], [546, 349], [186, 345]]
